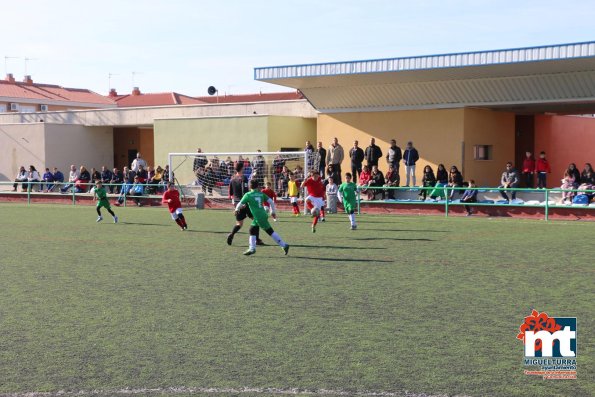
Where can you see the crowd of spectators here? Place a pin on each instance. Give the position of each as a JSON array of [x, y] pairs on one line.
[[142, 177]]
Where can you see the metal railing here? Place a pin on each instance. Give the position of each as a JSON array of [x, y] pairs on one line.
[[448, 191]]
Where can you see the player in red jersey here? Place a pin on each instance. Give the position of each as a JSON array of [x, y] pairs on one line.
[[172, 198], [315, 199], [272, 195]]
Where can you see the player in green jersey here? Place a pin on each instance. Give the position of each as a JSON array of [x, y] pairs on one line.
[[101, 195], [255, 199], [347, 197]]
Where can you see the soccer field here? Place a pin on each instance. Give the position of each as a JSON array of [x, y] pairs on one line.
[[424, 305]]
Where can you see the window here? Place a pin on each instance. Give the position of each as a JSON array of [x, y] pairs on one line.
[[483, 152], [27, 109], [2, 107]]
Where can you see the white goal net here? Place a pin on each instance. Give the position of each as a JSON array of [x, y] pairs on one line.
[[212, 173]]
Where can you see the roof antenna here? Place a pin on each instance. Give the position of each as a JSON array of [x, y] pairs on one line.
[[109, 80]]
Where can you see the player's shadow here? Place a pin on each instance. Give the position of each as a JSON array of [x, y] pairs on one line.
[[143, 224], [337, 247], [407, 230], [390, 238], [364, 260]]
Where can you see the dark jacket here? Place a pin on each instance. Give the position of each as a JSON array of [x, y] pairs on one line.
[[442, 176], [410, 156], [106, 176], [428, 179], [377, 179], [356, 156], [373, 154], [322, 154]]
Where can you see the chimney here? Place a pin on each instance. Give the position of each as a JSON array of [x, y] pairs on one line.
[[112, 93], [9, 78], [135, 91], [27, 80]]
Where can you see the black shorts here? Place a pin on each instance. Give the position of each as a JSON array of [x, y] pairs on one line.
[[243, 213]]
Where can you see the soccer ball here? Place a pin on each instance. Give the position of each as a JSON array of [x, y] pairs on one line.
[[315, 212]]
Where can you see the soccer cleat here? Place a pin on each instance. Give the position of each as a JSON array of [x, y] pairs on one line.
[[286, 249], [229, 239], [99, 219], [322, 219], [115, 219], [249, 252], [313, 229], [185, 227], [353, 227], [260, 242]]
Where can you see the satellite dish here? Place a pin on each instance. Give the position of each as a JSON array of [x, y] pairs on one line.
[[212, 90]]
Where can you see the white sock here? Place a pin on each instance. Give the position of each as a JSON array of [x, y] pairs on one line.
[[352, 219], [252, 242], [278, 239]]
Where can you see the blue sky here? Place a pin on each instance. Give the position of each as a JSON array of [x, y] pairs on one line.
[[185, 46]]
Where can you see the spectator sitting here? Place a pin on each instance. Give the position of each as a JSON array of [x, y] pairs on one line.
[[568, 183], [73, 175], [33, 178], [509, 179], [582, 197], [441, 182], [156, 180], [331, 172], [392, 179], [58, 177], [469, 196], [137, 189], [80, 185], [48, 179], [106, 177], [95, 176], [427, 181], [116, 179], [588, 176], [364, 179], [376, 181], [166, 175], [142, 174], [575, 173], [455, 179], [21, 178]]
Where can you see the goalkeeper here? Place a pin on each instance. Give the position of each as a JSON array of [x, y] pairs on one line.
[[254, 200], [347, 197]]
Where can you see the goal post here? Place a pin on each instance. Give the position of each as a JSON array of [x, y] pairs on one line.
[[211, 172]]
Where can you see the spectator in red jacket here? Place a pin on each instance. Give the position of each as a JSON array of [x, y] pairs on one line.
[[528, 169], [542, 168]]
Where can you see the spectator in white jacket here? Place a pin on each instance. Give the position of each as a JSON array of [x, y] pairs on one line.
[[33, 177], [21, 178], [73, 175], [137, 163]]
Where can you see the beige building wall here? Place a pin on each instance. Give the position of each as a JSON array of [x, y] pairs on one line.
[[487, 127], [21, 145], [437, 135], [228, 134], [67, 144]]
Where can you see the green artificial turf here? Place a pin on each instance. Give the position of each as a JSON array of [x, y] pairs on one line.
[[421, 304]]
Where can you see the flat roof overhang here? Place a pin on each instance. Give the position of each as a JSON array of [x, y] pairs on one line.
[[556, 79]]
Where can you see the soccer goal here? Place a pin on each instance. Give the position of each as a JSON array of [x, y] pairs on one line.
[[211, 173]]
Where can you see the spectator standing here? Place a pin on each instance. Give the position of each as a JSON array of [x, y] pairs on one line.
[[542, 168], [331, 195], [33, 177], [588, 176], [322, 156], [334, 157], [200, 162], [48, 179], [137, 163], [58, 178], [528, 169], [309, 149], [356, 155], [427, 181], [469, 196], [373, 153], [20, 178], [394, 156], [330, 173], [509, 179], [410, 157], [259, 167], [391, 179]]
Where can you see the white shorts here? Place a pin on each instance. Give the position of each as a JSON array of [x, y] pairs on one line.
[[293, 199], [174, 215], [317, 202]]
